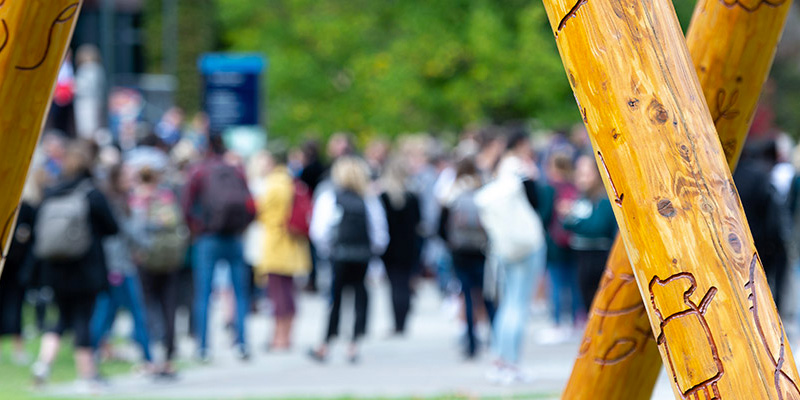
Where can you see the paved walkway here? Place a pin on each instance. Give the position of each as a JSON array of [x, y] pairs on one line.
[[424, 364]]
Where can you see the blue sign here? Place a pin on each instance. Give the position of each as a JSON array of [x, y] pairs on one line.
[[232, 89]]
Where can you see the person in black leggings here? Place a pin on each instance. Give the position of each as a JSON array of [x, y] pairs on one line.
[[350, 227], [402, 256], [467, 248], [76, 283], [348, 275], [161, 290]]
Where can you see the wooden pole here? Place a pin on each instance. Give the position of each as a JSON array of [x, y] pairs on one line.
[[732, 48], [679, 213], [34, 35]]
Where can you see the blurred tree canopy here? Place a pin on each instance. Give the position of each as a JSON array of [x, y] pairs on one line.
[[197, 33], [384, 67], [387, 67]]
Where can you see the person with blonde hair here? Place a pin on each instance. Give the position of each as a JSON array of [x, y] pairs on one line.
[[402, 255], [348, 228]]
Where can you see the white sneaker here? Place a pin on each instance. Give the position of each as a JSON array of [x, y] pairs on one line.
[[554, 335], [523, 375], [41, 372], [494, 374], [506, 376]]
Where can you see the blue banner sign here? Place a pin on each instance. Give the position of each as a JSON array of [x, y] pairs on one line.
[[232, 89]]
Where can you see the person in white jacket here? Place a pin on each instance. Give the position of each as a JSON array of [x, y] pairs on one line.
[[348, 228]]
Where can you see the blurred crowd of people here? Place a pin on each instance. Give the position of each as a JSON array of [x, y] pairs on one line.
[[149, 228], [154, 220]]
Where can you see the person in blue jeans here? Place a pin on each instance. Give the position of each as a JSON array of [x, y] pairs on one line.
[[126, 293], [520, 274], [519, 280], [218, 207], [124, 289], [207, 251]]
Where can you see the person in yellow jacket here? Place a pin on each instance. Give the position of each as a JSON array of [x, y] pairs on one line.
[[284, 255]]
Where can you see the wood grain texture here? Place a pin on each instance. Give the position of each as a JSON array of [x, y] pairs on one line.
[[732, 49], [34, 35], [680, 217]]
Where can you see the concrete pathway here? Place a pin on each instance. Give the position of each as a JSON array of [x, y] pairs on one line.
[[426, 363]]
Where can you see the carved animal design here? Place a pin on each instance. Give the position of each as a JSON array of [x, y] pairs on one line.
[[680, 316]]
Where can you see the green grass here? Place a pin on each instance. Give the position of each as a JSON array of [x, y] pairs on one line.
[[16, 382]]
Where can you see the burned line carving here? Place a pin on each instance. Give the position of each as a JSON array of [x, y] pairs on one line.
[[65, 16]]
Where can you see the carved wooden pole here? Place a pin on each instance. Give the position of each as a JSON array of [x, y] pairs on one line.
[[679, 214], [34, 36], [732, 46]]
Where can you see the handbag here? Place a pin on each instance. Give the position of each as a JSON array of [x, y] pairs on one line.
[[514, 228]]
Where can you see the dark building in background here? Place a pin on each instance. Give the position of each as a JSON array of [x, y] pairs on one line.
[[114, 26]]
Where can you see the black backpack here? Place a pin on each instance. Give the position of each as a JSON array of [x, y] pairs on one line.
[[225, 200], [351, 242], [464, 230]]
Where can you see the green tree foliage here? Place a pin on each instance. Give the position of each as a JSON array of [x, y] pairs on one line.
[[388, 66], [197, 34]]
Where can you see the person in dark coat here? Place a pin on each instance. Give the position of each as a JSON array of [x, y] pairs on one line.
[[313, 173], [766, 214], [590, 220], [313, 169], [468, 260], [75, 284], [13, 282], [402, 255]]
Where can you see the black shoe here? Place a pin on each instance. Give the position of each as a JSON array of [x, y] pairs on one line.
[[166, 375], [203, 357], [353, 359], [316, 356], [242, 353], [311, 288]]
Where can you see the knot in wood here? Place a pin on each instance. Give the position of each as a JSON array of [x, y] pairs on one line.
[[735, 243], [665, 208], [658, 113]]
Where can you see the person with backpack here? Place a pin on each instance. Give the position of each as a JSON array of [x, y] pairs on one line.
[[124, 289], [160, 255], [69, 228], [509, 212], [284, 211], [402, 256], [349, 228], [218, 207], [460, 227]]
